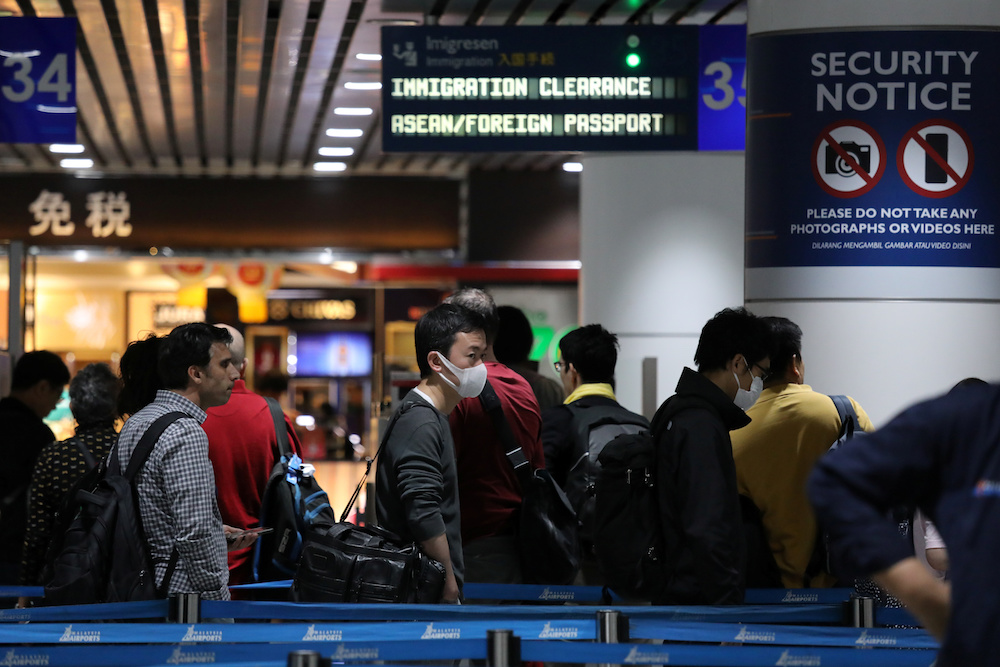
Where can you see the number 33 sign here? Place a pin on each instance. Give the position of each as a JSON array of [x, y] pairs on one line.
[[37, 80]]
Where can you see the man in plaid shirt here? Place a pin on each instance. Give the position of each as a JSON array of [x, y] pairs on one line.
[[176, 487]]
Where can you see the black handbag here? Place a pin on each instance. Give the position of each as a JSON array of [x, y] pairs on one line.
[[349, 563], [548, 530]]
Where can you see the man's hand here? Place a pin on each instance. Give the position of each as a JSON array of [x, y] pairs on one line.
[[237, 538], [437, 548], [926, 596]]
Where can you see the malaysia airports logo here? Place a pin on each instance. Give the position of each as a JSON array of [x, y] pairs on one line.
[[193, 635], [548, 632], [638, 657], [441, 633], [314, 635], [89, 636], [746, 635], [875, 640], [344, 653], [787, 660], [12, 657], [549, 594], [189, 657], [792, 596]]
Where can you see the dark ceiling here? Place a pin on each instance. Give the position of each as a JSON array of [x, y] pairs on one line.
[[249, 87]]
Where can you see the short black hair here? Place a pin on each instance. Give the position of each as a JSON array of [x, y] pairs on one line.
[[514, 336], [730, 332], [436, 331], [140, 378], [785, 339], [33, 367], [480, 302], [188, 345], [593, 351], [93, 395]]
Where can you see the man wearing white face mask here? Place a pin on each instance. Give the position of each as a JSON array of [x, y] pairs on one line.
[[416, 488], [699, 505]]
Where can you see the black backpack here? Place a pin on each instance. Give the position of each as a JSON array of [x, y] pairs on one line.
[[293, 505], [593, 428], [628, 537], [103, 556]]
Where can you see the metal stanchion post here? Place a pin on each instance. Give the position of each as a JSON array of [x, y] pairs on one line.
[[303, 659], [184, 608], [862, 612], [503, 648], [612, 626]]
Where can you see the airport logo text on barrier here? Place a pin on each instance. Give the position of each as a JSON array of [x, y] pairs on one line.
[[848, 158], [935, 158]]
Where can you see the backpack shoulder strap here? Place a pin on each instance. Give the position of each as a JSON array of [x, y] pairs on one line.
[[515, 455], [280, 431], [848, 417], [145, 446]]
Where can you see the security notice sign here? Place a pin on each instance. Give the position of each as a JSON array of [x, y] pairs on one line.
[[873, 149]]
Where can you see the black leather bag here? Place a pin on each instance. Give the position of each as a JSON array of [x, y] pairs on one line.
[[548, 529], [349, 563]]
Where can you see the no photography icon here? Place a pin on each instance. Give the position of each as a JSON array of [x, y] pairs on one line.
[[848, 158]]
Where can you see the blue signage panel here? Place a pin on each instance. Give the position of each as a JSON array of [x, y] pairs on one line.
[[539, 88], [873, 149], [37, 80], [722, 88]]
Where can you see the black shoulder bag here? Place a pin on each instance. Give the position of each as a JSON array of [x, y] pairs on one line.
[[548, 531], [349, 563]]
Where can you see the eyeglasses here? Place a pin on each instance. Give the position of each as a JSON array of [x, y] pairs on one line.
[[765, 373], [559, 365]]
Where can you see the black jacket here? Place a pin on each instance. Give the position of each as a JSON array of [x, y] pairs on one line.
[[699, 502], [22, 436]]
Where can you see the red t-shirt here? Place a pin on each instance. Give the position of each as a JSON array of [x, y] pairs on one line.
[[242, 446], [488, 489]]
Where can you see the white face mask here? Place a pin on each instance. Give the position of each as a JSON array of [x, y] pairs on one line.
[[744, 398], [470, 380]]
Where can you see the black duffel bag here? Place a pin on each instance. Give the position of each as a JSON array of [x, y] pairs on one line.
[[348, 563]]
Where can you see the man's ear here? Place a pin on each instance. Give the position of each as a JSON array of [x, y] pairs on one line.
[[434, 361], [733, 363], [195, 374]]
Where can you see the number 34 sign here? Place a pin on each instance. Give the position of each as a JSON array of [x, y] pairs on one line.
[[37, 80]]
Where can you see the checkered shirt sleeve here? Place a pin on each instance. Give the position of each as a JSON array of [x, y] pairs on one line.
[[177, 498]]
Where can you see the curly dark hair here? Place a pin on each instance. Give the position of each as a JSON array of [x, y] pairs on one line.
[[93, 395]]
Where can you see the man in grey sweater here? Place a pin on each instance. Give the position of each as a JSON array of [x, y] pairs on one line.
[[416, 489]]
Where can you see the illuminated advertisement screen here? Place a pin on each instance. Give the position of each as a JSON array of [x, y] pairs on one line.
[[331, 354]]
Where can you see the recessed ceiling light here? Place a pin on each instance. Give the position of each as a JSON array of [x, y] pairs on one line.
[[572, 166], [336, 151], [369, 56], [66, 148], [344, 133], [353, 111], [363, 85], [76, 163], [330, 166]]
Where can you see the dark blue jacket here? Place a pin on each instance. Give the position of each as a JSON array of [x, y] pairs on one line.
[[942, 456]]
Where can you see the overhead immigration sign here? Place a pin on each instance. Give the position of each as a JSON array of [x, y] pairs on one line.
[[873, 149], [554, 88]]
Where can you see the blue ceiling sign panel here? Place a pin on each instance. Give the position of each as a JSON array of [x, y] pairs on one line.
[[37, 80]]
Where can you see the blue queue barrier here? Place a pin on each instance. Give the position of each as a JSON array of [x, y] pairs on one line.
[[579, 630], [422, 651]]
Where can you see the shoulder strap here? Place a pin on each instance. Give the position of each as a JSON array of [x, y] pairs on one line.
[[87, 456], [515, 455], [145, 446], [848, 418], [280, 430], [368, 462]]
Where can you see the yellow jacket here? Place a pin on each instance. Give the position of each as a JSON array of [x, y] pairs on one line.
[[792, 427]]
